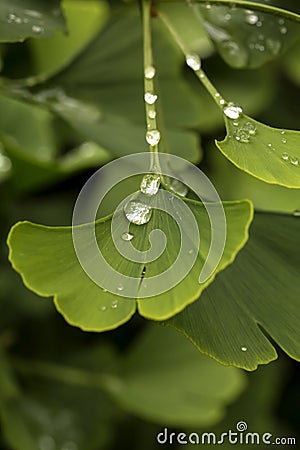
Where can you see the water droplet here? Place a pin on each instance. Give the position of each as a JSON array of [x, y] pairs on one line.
[[103, 308], [244, 349], [282, 132], [222, 101], [150, 72], [137, 213], [120, 287], [217, 95], [250, 127], [152, 114], [283, 140], [242, 135], [294, 161], [251, 18], [232, 111], [150, 98], [285, 156], [191, 251], [235, 123], [12, 18], [127, 236], [153, 137], [296, 213], [179, 188], [193, 61], [269, 145], [37, 29], [283, 30], [259, 24], [114, 303], [150, 184], [46, 442]]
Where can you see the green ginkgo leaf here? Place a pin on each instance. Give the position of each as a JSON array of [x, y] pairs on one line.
[[270, 154], [257, 296], [46, 259], [29, 18]]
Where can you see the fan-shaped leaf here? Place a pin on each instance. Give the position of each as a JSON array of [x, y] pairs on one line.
[[46, 259], [270, 154], [261, 289]]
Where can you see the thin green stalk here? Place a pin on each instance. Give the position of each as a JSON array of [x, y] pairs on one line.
[[193, 61], [152, 133]]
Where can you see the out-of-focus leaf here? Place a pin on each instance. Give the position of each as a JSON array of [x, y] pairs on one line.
[[29, 18], [51, 54], [248, 37], [258, 293], [101, 92], [165, 379]]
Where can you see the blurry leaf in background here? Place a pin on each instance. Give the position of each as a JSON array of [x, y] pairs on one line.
[[291, 63], [101, 91], [232, 183], [269, 154], [34, 130], [49, 55], [29, 18], [50, 414], [248, 38], [165, 379], [46, 258], [257, 405], [258, 294]]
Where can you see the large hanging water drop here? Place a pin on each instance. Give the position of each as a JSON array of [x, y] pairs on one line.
[[232, 111], [137, 212], [193, 61], [150, 184]]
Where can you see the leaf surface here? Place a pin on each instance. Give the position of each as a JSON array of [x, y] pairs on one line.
[[269, 154], [258, 294], [46, 259]]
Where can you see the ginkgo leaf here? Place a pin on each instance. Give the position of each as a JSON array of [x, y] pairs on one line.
[[270, 154], [46, 259], [29, 18], [257, 296]]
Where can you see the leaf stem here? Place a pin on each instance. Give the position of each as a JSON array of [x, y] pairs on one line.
[[150, 97], [194, 62]]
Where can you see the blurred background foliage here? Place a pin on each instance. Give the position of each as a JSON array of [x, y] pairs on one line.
[[61, 388]]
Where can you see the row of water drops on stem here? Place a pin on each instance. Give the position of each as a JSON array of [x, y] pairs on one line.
[[234, 112], [137, 212]]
